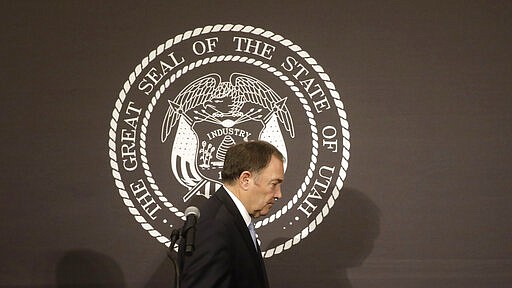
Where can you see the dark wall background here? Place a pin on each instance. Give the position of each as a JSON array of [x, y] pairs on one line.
[[427, 87]]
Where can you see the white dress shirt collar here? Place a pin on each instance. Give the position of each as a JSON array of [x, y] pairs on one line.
[[240, 206]]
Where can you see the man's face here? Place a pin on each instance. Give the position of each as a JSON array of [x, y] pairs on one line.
[[263, 187]]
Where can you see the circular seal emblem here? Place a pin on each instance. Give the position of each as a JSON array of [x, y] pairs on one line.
[[202, 91]]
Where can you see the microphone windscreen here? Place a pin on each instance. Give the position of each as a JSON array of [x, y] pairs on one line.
[[195, 205], [192, 210]]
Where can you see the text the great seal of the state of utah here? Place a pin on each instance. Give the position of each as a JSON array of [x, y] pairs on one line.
[[204, 90]]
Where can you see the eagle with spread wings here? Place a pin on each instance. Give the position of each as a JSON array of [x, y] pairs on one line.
[[241, 89]]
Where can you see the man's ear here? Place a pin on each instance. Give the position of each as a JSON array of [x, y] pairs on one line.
[[245, 179]]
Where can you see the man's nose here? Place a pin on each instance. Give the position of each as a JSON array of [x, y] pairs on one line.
[[278, 193]]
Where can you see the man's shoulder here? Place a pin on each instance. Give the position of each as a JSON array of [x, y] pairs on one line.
[[216, 209]]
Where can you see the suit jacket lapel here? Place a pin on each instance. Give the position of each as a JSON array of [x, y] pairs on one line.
[[238, 219], [223, 196]]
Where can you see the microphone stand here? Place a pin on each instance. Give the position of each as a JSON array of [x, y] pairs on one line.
[[175, 236], [185, 237]]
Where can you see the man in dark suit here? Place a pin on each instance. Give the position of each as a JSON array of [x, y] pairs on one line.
[[226, 253]]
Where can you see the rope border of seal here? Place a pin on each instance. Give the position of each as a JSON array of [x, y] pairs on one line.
[[225, 28]]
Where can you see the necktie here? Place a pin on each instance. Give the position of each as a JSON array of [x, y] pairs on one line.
[[253, 235]]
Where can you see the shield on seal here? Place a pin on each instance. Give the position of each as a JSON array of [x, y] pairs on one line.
[[214, 140]]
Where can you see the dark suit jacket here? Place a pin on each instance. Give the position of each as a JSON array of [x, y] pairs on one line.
[[224, 253]]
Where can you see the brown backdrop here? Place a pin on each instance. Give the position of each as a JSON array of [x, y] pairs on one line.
[[427, 89]]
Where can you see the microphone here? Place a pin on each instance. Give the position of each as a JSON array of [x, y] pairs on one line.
[[192, 214]]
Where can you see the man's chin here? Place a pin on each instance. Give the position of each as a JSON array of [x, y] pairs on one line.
[[264, 212]]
